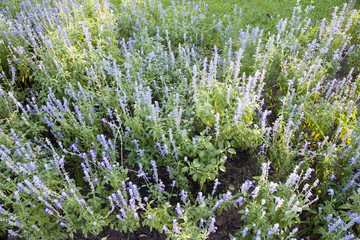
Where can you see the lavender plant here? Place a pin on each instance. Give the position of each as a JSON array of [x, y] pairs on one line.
[[273, 209]]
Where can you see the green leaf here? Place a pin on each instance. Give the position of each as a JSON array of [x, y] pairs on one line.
[[220, 145], [232, 151], [222, 168], [201, 154]]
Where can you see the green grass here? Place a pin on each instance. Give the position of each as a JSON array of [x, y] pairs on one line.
[[256, 13]]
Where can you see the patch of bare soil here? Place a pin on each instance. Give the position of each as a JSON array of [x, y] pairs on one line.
[[229, 222], [239, 168]]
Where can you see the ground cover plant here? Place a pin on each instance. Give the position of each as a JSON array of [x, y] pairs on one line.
[[167, 117]]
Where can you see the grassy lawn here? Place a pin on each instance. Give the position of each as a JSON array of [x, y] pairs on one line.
[[266, 13]]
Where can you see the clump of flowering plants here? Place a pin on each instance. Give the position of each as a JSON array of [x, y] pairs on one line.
[[98, 101], [273, 209]]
